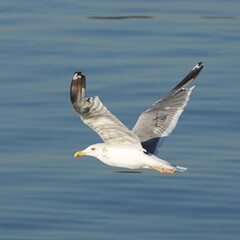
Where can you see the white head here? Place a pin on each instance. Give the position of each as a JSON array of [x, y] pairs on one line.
[[95, 150]]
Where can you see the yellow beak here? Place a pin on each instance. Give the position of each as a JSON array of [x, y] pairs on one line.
[[80, 153]]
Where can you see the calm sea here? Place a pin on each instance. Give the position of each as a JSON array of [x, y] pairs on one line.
[[133, 53]]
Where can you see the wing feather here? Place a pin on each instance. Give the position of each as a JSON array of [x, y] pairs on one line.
[[158, 121], [96, 115]]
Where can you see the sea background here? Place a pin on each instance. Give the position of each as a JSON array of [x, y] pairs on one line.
[[133, 53]]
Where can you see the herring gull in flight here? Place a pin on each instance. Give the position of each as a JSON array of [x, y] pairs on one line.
[[133, 149]]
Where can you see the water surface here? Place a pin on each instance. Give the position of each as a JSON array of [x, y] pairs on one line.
[[132, 54]]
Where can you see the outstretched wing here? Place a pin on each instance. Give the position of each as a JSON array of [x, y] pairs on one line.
[[159, 121], [96, 116]]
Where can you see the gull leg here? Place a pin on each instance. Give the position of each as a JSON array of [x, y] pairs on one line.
[[163, 170]]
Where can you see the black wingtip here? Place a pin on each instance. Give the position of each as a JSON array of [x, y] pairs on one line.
[[198, 67], [78, 83], [78, 75], [189, 78]]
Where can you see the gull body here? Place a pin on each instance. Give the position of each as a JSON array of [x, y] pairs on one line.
[[136, 148], [127, 157]]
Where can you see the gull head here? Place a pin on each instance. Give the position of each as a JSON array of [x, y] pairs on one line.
[[95, 150]]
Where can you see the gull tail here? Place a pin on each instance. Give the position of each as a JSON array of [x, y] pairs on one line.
[[180, 169]]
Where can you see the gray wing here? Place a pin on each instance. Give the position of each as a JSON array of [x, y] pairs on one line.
[[158, 122], [96, 116]]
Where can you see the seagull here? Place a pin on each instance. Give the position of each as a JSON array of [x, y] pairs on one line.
[[136, 148]]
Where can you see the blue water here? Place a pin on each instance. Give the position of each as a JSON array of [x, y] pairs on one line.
[[133, 53]]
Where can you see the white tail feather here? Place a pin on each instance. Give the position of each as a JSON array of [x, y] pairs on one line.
[[181, 169]]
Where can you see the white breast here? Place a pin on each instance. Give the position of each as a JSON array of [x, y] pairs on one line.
[[123, 157]]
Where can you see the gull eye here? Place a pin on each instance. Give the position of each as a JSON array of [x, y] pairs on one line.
[[93, 149]]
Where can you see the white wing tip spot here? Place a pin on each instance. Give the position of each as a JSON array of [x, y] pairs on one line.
[[77, 75], [198, 66]]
